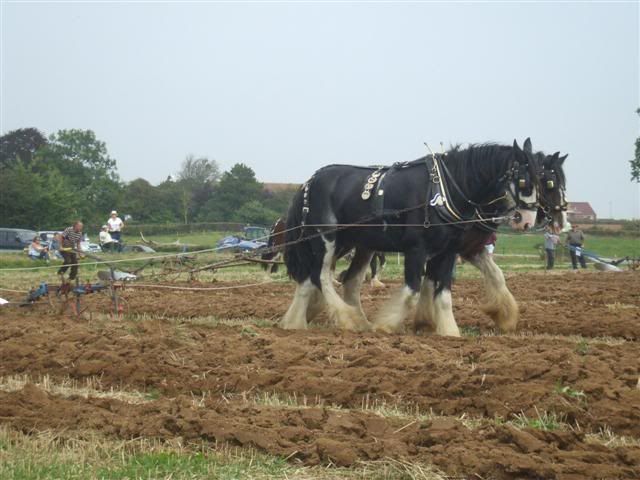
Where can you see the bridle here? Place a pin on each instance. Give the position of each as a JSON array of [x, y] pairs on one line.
[[550, 180], [524, 188]]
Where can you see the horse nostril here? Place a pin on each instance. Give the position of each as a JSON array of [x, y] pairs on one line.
[[517, 217]]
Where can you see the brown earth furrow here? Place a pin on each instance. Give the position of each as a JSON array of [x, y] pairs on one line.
[[323, 436], [479, 376]]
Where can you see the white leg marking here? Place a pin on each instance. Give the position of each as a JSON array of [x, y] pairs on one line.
[[296, 316], [352, 287], [424, 319], [500, 304], [316, 304], [443, 314], [376, 283], [391, 317], [343, 315]]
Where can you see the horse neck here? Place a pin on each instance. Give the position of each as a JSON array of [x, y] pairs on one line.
[[476, 173]]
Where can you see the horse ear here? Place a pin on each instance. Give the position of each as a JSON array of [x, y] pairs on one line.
[[515, 144], [555, 156], [562, 159], [527, 145]]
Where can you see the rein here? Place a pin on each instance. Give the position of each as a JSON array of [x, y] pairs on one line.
[[440, 199]]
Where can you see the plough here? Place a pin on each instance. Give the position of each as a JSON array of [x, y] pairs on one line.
[[607, 264]]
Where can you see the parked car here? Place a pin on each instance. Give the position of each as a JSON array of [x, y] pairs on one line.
[[237, 244], [47, 239], [16, 238]]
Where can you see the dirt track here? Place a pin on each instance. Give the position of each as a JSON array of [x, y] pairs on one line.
[[592, 384]]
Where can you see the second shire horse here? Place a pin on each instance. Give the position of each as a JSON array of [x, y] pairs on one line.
[[421, 208]]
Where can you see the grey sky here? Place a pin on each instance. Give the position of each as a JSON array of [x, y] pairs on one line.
[[287, 88]]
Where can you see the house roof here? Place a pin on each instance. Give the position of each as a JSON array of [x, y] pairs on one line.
[[280, 187], [580, 208]]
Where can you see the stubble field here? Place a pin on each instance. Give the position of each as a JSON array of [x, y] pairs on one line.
[[196, 373]]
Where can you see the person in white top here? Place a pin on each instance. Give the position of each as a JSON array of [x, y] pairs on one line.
[[106, 241], [115, 225]]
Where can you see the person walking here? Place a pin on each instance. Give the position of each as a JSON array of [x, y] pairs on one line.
[[575, 240], [70, 249], [490, 244], [551, 239], [116, 225]]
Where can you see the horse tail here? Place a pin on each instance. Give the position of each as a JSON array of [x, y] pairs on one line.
[[298, 256]]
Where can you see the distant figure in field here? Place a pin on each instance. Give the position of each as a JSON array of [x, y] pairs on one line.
[[70, 249], [106, 241], [490, 244], [37, 251], [575, 241], [551, 239], [116, 225]]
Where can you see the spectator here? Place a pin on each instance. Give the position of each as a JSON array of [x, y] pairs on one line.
[[575, 240], [490, 244], [106, 241], [551, 239], [116, 225], [37, 251], [70, 249]]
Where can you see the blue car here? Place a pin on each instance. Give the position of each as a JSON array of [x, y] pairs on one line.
[[236, 244]]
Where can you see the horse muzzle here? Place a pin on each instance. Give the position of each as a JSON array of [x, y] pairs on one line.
[[523, 219]]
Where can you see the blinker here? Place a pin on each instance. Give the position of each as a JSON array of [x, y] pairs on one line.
[[522, 183], [550, 184]]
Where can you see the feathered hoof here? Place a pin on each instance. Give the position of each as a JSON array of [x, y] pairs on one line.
[[389, 329], [375, 283]]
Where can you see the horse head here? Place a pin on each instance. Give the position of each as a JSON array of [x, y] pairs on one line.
[[553, 202], [524, 187]]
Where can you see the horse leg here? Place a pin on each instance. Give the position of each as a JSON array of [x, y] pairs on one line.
[[375, 281], [354, 277], [392, 315], [500, 304], [424, 319], [345, 316], [296, 316], [316, 304], [438, 283]]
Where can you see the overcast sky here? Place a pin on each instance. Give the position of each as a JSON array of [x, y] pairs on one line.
[[287, 88]]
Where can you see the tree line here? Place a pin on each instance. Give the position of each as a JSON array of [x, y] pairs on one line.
[[48, 182]]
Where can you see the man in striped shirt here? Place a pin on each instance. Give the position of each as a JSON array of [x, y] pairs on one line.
[[70, 248]]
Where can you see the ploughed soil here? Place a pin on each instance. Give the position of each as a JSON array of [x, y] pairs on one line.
[[208, 381]]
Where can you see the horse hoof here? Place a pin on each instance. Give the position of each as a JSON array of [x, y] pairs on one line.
[[375, 283]]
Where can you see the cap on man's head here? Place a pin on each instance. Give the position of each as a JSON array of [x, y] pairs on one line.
[[113, 212], [104, 226]]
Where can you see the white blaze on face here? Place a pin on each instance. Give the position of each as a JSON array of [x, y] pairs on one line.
[[525, 218]]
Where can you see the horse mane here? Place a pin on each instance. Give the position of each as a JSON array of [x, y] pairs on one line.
[[478, 163]]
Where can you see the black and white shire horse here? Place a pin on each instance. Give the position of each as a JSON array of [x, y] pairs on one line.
[[500, 304], [274, 246], [377, 263], [421, 208]]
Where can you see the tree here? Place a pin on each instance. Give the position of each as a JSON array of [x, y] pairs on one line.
[[33, 200], [146, 203], [20, 145], [196, 181], [199, 170], [85, 164], [635, 163], [255, 212], [237, 187]]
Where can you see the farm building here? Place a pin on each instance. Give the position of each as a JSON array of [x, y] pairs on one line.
[[580, 212]]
